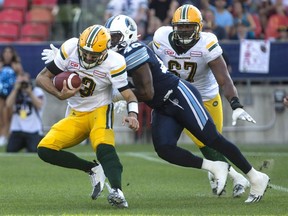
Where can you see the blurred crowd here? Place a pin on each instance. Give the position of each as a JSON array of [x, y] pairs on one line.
[[21, 105], [228, 19]]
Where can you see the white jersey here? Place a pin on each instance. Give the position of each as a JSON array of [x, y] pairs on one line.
[[31, 121], [192, 65], [97, 82]]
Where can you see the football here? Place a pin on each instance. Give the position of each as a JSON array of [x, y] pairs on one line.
[[72, 80]]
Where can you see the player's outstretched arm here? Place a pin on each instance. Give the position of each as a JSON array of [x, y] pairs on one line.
[[220, 71]]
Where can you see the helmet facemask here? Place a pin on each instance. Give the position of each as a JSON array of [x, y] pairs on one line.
[[117, 41], [185, 33], [90, 59]]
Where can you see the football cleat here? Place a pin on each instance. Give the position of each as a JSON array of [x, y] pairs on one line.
[[97, 177], [116, 198], [220, 174], [258, 188], [239, 186], [213, 184]]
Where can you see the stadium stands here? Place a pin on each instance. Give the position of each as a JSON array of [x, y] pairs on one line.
[[8, 32], [12, 16], [21, 5], [36, 31], [48, 4]]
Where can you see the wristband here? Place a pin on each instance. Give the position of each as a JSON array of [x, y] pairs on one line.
[[132, 106], [235, 103]]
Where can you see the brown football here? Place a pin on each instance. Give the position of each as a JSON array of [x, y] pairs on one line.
[[72, 80]]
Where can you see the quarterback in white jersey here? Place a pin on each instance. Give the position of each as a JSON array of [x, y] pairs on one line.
[[196, 57], [96, 81], [91, 109]]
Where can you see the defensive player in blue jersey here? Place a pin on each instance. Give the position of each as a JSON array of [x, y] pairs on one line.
[[177, 105]]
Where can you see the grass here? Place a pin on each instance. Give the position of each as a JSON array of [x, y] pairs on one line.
[[28, 186]]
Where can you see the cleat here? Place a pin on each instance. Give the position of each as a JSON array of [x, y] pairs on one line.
[[116, 198], [97, 177], [213, 184], [221, 176], [240, 184], [258, 188]]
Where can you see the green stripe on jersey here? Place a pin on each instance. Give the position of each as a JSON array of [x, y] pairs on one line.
[[212, 47], [117, 74]]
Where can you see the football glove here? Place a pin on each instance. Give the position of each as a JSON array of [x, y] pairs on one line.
[[120, 106], [241, 114], [48, 55]]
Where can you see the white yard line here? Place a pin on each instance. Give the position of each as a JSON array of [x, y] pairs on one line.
[[279, 188]]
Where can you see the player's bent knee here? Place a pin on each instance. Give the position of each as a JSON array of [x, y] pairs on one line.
[[45, 154], [165, 152]]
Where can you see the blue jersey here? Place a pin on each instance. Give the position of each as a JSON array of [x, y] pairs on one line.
[[137, 54]]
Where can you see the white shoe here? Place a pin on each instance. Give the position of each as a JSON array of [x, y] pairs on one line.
[[220, 174], [240, 183], [97, 177], [116, 198], [213, 184], [258, 188]]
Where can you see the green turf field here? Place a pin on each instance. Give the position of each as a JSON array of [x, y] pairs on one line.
[[28, 186]]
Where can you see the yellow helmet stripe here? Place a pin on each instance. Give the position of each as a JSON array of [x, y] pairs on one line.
[[92, 35], [184, 12]]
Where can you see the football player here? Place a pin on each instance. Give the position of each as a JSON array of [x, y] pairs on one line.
[[176, 105], [197, 57], [91, 109]]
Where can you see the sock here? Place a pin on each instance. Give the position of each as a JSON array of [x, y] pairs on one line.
[[208, 165], [233, 174], [212, 154], [110, 162], [252, 175], [64, 159]]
